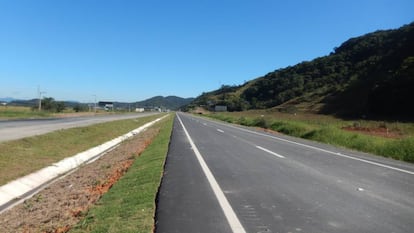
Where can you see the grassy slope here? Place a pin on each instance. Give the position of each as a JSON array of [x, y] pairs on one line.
[[129, 206], [23, 156], [327, 129]]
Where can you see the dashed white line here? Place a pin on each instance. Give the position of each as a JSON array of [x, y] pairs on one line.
[[322, 150], [231, 216], [270, 152], [221, 131]]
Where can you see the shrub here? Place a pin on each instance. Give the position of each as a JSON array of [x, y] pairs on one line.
[[402, 149], [244, 121], [290, 128], [260, 122]]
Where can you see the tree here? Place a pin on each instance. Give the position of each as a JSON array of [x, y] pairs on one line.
[[49, 104], [80, 108], [60, 106]]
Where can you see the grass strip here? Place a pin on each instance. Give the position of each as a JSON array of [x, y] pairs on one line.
[[328, 130], [24, 156], [129, 206], [13, 112]]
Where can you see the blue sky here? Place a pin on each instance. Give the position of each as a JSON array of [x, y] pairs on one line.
[[132, 50]]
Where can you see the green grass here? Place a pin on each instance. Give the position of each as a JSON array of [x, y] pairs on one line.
[[328, 129], [129, 206], [13, 112], [19, 112], [24, 156]]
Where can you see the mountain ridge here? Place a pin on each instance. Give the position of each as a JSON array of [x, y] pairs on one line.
[[168, 102], [370, 75]]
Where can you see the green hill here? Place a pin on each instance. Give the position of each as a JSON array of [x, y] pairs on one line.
[[371, 75]]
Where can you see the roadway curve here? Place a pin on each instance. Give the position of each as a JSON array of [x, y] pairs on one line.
[[16, 129], [273, 183]]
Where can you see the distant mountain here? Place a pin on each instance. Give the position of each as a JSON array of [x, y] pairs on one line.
[[370, 75], [169, 102], [25, 103], [7, 99]]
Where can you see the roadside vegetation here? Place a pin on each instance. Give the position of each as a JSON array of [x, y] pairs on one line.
[[18, 112], [388, 139], [129, 206], [21, 112], [24, 156]]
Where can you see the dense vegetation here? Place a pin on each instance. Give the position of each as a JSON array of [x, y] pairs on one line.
[[49, 104], [371, 75]]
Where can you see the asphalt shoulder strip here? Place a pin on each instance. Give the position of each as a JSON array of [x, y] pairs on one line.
[[186, 202]]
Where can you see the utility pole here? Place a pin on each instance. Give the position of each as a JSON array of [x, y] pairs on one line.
[[95, 104], [40, 97]]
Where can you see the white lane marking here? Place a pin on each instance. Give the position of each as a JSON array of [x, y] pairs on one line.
[[221, 131], [322, 150], [205, 124], [270, 152], [360, 189], [231, 216]]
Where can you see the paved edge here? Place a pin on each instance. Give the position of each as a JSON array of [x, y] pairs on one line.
[[20, 189], [228, 211]]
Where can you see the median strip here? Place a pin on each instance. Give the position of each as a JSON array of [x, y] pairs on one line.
[[18, 190], [129, 206]]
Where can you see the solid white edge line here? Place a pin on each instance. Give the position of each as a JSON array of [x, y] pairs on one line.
[[322, 150], [270, 152], [231, 216]]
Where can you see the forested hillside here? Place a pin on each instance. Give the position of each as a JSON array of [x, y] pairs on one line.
[[371, 75], [169, 102]]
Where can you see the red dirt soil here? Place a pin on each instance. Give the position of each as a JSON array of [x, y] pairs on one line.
[[380, 132]]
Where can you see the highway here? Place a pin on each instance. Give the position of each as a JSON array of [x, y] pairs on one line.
[[16, 129], [224, 178]]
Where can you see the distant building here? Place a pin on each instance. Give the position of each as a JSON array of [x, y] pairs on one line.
[[157, 109], [108, 106], [139, 109], [220, 108]]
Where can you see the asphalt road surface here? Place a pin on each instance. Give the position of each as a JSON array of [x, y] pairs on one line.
[[16, 129], [223, 178]]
